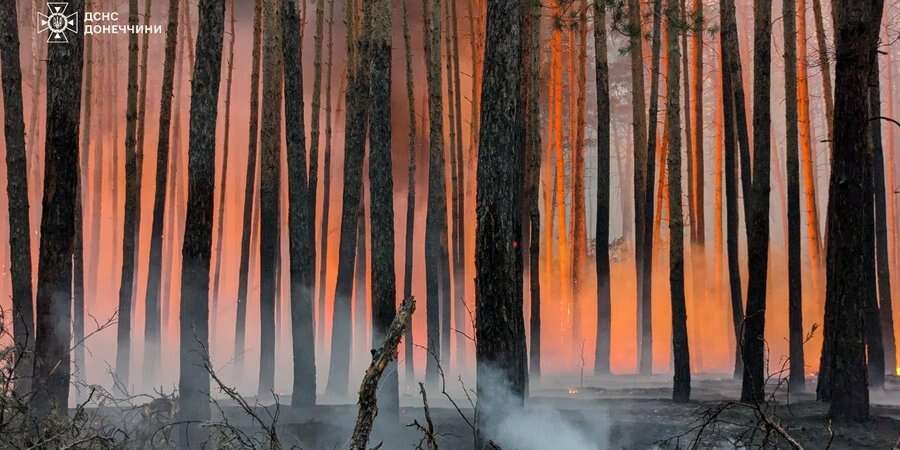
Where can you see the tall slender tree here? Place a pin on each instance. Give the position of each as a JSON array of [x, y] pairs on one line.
[[132, 193], [193, 380], [270, 189], [638, 141], [437, 279], [17, 195], [460, 317], [753, 385], [357, 99], [326, 185], [381, 210], [795, 292], [301, 214], [410, 371], [53, 305], [732, 71], [500, 328], [249, 190], [601, 242], [850, 263], [531, 223], [223, 187], [825, 69], [681, 391], [645, 308]]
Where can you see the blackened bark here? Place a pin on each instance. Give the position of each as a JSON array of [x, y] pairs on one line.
[[731, 63], [326, 184], [361, 285], [645, 308], [223, 189], [154, 276], [270, 190], [381, 192], [410, 371], [850, 268], [795, 292], [53, 312], [601, 242], [754, 379], [881, 226], [193, 382], [681, 391], [873, 314], [460, 316], [249, 190], [532, 36], [437, 277], [300, 215], [639, 144], [500, 328], [17, 196], [731, 131], [354, 151]]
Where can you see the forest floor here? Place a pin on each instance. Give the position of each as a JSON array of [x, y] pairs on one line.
[[616, 412]]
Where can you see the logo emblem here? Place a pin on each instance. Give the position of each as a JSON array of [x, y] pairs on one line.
[[58, 23]]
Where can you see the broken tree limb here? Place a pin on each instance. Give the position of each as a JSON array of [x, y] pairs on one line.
[[368, 403]]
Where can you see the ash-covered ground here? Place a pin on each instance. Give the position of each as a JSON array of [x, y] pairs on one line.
[[616, 412]]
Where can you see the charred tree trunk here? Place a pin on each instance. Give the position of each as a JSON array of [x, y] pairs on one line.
[[601, 242], [795, 291], [731, 68], [874, 316], [226, 146], [357, 98], [270, 190], [732, 131], [881, 228], [645, 280], [825, 69], [54, 308], [132, 194], [17, 196], [437, 278], [193, 384], [681, 391], [850, 267], [754, 380], [459, 251], [410, 371], [78, 307], [315, 126], [301, 215], [381, 210], [152, 304], [500, 329], [249, 190], [326, 184], [361, 286], [531, 35]]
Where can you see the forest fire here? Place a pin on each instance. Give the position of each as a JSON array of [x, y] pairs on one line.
[[449, 223]]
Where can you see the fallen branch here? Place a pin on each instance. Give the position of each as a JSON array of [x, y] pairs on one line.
[[368, 403]]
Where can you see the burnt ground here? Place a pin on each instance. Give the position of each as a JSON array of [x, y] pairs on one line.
[[618, 412]]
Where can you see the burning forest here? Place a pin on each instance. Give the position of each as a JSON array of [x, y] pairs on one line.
[[472, 224]]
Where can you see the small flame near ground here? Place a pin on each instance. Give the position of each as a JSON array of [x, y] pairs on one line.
[[574, 391], [897, 371]]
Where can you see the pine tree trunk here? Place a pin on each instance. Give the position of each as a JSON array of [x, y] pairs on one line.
[[249, 190], [409, 362], [639, 146], [129, 236], [301, 215], [78, 308], [795, 290], [384, 295], [732, 131], [850, 267], [226, 145], [357, 99], [500, 330], [317, 116], [193, 384], [152, 303], [754, 379], [324, 237], [460, 317], [681, 391], [531, 35], [17, 196], [270, 190], [604, 303], [825, 69], [645, 312], [731, 57], [811, 209], [437, 277], [361, 286], [51, 350], [876, 334]]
